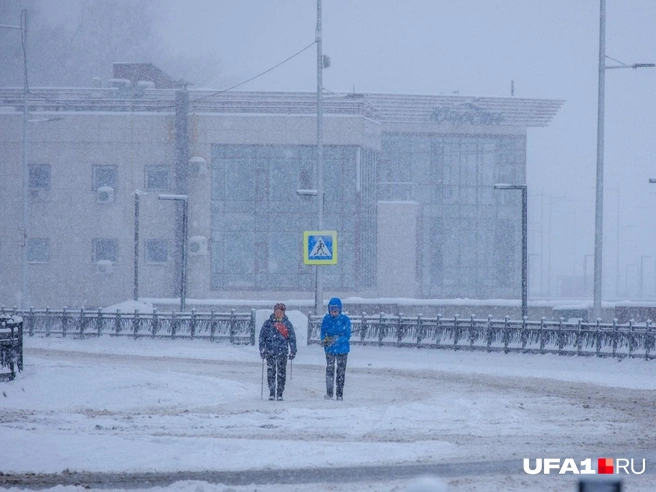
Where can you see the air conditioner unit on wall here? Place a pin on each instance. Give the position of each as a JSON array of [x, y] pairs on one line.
[[197, 245], [198, 165], [104, 266], [105, 194]]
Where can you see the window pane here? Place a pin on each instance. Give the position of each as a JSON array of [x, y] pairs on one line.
[[105, 249], [157, 251], [240, 252], [105, 176], [157, 178], [39, 175], [38, 250], [240, 180]]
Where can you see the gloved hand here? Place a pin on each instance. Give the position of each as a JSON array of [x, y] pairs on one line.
[[263, 355], [328, 341], [292, 355]]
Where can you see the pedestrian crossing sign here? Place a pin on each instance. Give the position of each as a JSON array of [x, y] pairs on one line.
[[320, 247]]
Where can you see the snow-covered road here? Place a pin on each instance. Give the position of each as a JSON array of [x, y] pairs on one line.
[[116, 406]]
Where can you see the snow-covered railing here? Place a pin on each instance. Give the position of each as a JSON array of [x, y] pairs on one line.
[[237, 328], [525, 336], [11, 345]]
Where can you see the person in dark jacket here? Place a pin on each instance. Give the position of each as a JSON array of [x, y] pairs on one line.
[[335, 336], [277, 343]]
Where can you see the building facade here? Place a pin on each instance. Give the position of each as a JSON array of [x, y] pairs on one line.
[[408, 186]]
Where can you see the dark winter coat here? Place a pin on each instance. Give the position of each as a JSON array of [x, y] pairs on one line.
[[277, 338], [336, 331]]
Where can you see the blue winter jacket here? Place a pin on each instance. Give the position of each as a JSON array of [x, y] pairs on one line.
[[277, 338], [338, 327]]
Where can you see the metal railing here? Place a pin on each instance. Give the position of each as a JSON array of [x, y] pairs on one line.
[[237, 328], [11, 346], [524, 336]]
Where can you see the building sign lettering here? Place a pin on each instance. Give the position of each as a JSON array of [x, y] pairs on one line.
[[465, 114]]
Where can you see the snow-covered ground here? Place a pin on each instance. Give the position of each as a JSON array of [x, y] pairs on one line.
[[118, 405]]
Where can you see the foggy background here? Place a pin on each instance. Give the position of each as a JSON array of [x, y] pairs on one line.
[[474, 47]]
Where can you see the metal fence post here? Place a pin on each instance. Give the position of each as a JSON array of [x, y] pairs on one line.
[[472, 333], [542, 334], [212, 325], [117, 322], [192, 323], [579, 337], [48, 322], [648, 339], [64, 322], [614, 337], [155, 323], [456, 332], [631, 332], [420, 330], [99, 322], [232, 326], [488, 333], [561, 336], [380, 330], [30, 327], [135, 324], [598, 338], [83, 322], [437, 330], [524, 335], [506, 334], [363, 326], [174, 325], [399, 330], [252, 326]]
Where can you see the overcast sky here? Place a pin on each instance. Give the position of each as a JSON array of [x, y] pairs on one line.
[[549, 49]]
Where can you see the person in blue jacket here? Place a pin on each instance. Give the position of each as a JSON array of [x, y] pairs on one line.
[[277, 344], [335, 336]]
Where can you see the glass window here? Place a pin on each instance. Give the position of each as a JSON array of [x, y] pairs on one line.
[[38, 250], [240, 180], [218, 180], [105, 249], [284, 180], [157, 251], [284, 257], [504, 247], [105, 176], [157, 178], [39, 176], [239, 252]]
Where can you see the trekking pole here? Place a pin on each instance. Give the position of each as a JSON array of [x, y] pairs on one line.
[[262, 385], [291, 369]]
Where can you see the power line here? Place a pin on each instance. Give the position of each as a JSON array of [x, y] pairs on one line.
[[256, 76]]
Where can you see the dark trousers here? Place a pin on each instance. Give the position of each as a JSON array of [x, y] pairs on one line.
[[333, 360], [276, 373]]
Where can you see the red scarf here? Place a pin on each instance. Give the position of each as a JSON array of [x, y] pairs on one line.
[[282, 329]]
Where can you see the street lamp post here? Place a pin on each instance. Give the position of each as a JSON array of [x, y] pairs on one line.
[[25, 295], [599, 195], [502, 186], [183, 266]]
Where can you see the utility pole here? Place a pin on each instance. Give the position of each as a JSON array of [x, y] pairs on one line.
[[25, 295], [599, 197], [318, 297]]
